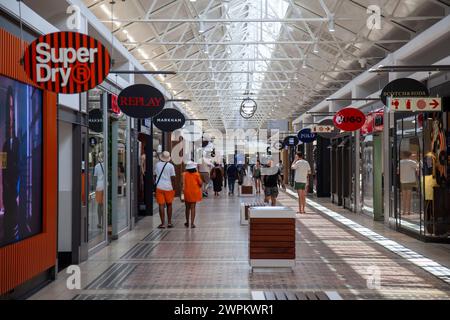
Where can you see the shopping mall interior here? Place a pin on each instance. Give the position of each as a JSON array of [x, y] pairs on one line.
[[225, 150]]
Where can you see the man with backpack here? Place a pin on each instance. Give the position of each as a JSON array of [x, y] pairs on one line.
[[164, 182]]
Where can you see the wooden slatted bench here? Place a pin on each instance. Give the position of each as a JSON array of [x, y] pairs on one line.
[[245, 206], [291, 295]]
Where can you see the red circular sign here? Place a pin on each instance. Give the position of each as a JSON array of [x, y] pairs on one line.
[[66, 62], [349, 119]]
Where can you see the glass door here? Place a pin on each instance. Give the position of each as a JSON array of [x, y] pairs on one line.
[[409, 204], [96, 173]]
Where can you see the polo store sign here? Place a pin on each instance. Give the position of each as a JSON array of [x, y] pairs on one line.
[[306, 136], [141, 101], [66, 62], [349, 119], [169, 120]]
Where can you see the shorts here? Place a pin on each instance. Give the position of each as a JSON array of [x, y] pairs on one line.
[[271, 192], [408, 186], [164, 196], [99, 196], [300, 186], [205, 177]]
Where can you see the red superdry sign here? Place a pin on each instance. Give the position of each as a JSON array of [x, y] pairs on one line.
[[349, 119], [66, 62]]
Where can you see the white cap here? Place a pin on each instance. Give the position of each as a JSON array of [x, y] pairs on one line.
[[191, 165]]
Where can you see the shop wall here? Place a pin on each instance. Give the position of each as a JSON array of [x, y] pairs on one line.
[[28, 258], [65, 138]]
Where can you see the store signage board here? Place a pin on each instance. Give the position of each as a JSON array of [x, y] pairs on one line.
[[327, 134], [95, 120], [112, 104], [403, 88], [322, 129], [349, 119], [169, 120], [66, 62], [306, 136], [290, 141], [141, 101], [414, 104]]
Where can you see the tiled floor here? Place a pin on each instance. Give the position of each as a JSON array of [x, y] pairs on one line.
[[211, 261]]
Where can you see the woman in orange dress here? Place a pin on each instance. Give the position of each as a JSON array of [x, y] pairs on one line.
[[192, 189]]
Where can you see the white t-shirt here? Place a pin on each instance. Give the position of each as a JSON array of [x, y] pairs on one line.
[[99, 172], [408, 169], [302, 169], [165, 183]]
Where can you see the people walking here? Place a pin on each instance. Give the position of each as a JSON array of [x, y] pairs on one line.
[[164, 182], [302, 172], [216, 175], [192, 190], [281, 167], [204, 169], [232, 174], [270, 183], [257, 176]]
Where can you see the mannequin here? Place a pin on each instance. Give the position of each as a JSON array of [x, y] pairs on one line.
[[99, 173]]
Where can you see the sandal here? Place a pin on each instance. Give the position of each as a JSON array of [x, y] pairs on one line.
[[186, 224], [193, 226], [161, 226], [170, 225]]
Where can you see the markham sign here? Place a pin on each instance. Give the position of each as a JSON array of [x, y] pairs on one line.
[[66, 62]]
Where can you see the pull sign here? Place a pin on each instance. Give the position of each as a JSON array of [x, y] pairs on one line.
[[66, 62], [349, 119]]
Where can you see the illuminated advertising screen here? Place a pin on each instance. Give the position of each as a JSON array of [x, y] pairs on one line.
[[21, 161]]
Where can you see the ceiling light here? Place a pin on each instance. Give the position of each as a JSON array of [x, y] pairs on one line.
[[295, 77], [201, 27], [316, 47], [304, 64], [331, 23]]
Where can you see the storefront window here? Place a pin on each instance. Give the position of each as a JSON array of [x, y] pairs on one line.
[[97, 171], [423, 189], [367, 175]]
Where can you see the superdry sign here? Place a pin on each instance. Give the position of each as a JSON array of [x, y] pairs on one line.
[[169, 120], [349, 119], [66, 62], [141, 101]]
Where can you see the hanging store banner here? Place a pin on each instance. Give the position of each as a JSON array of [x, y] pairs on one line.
[[306, 136], [66, 62], [403, 88], [169, 120], [141, 101], [330, 130], [349, 119], [290, 141], [322, 129], [96, 120], [414, 104]]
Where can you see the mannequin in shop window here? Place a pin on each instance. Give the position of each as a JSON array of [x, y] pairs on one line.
[[99, 174], [409, 170]]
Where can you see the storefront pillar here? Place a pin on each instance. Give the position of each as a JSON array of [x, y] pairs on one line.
[[387, 167], [357, 187], [114, 177]]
